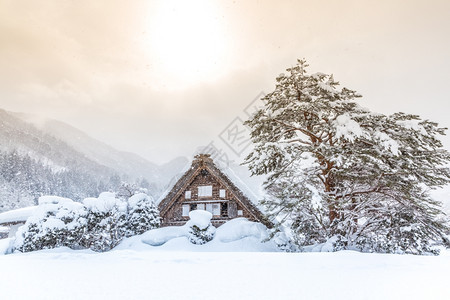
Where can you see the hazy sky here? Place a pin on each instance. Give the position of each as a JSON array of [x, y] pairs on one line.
[[160, 78]]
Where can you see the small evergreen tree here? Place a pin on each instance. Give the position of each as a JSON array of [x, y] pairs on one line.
[[200, 230], [142, 216], [200, 236], [105, 222], [340, 173]]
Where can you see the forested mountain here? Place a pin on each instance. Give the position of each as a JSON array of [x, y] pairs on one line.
[[127, 163], [50, 157]]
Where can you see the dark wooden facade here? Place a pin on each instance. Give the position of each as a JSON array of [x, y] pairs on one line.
[[204, 186]]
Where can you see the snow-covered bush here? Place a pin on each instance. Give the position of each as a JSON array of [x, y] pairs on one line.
[[97, 223], [57, 222], [283, 242], [201, 230], [398, 233], [106, 222], [142, 216]]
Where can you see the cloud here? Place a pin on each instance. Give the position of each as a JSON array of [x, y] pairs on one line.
[[93, 64]]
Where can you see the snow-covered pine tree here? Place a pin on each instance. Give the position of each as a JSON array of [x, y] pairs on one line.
[[142, 215], [340, 173]]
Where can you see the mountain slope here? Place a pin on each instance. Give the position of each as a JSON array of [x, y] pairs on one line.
[[130, 164], [26, 139], [62, 148]]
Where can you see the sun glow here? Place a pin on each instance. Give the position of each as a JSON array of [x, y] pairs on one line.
[[188, 42]]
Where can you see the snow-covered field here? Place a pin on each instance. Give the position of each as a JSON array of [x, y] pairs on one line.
[[163, 264], [164, 273]]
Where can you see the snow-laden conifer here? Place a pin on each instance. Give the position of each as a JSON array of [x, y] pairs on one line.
[[143, 215], [200, 229], [340, 173], [106, 222]]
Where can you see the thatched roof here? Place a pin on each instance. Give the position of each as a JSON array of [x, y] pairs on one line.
[[204, 162]]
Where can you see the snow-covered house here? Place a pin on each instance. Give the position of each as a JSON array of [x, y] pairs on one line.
[[205, 186], [11, 220]]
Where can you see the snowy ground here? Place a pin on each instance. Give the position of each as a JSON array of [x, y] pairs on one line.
[[156, 274], [163, 264]]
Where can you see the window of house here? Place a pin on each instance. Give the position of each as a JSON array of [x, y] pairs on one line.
[[240, 212], [201, 206], [185, 208], [222, 193], [187, 195], [205, 191], [209, 207], [216, 209]]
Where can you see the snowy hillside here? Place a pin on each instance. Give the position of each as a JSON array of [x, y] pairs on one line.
[[40, 157], [103, 154], [26, 139], [121, 162]]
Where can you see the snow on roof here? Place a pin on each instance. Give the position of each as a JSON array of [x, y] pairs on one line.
[[17, 215], [251, 188], [174, 181]]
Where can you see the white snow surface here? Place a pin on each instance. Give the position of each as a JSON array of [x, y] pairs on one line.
[[241, 228], [347, 128], [58, 205], [238, 234], [136, 274], [200, 218], [387, 142], [237, 264], [17, 215], [53, 200], [135, 199], [106, 201]]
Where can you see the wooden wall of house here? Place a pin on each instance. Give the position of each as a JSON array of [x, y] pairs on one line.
[[174, 217]]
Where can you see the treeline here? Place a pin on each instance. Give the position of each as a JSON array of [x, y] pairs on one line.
[[24, 179]]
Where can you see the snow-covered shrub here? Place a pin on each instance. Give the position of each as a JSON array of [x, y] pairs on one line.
[[201, 230], [99, 223], [398, 233], [106, 222], [57, 222], [283, 242], [142, 216], [307, 231]]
